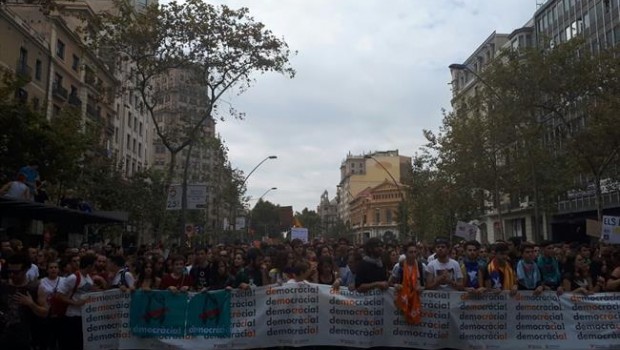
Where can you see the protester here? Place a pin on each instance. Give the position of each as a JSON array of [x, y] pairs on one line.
[[549, 267], [178, 280], [501, 274], [121, 277], [73, 290], [371, 273], [473, 268], [221, 278], [51, 324], [528, 273], [21, 301], [147, 279], [203, 269], [443, 272], [16, 189]]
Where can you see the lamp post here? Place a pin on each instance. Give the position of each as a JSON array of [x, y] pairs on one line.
[[400, 190], [498, 204], [234, 211]]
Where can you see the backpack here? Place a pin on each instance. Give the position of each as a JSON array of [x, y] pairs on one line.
[[58, 307]]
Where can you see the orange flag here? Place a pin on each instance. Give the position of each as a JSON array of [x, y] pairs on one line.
[[408, 298]]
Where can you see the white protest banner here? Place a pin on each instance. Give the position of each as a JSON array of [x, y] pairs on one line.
[[304, 314], [299, 232], [611, 229], [465, 230]]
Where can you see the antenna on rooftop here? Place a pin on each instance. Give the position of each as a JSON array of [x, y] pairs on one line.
[[539, 3]]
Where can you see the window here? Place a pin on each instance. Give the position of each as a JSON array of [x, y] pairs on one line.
[[139, 149], [140, 130], [60, 49], [586, 20], [23, 60], [74, 91], [128, 140], [116, 134], [160, 149], [135, 124], [388, 215], [76, 63], [57, 80], [377, 216], [134, 146], [129, 119], [38, 69]]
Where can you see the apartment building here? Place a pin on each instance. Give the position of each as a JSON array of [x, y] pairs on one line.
[[364, 176], [554, 22], [598, 23], [515, 215], [26, 53], [63, 72], [181, 104]]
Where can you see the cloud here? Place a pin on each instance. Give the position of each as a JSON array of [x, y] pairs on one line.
[[371, 76]]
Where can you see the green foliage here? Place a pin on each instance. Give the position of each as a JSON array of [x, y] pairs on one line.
[[311, 220], [265, 219]]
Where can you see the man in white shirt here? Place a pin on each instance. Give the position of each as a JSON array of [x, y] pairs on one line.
[[73, 290], [122, 279], [443, 273]]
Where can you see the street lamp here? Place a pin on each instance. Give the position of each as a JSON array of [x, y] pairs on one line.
[[398, 186], [243, 183], [256, 167], [264, 194]]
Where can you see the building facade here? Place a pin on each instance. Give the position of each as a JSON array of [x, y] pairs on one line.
[[554, 22], [361, 173], [328, 212]]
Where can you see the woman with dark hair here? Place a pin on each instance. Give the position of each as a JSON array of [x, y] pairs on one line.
[[221, 279], [577, 277], [147, 279], [326, 271]]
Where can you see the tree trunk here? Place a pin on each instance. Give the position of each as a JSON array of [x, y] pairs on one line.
[[598, 198], [183, 215]]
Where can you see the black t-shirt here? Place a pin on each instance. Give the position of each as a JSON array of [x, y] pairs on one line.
[[201, 276], [368, 272]]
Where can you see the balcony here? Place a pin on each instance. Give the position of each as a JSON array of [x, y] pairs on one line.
[[588, 203], [59, 92], [93, 112], [110, 127], [74, 100], [23, 71]]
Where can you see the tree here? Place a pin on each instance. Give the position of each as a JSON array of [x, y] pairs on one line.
[[571, 94], [265, 219], [222, 50], [311, 220]]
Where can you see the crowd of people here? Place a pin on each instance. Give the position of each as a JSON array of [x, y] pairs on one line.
[[42, 289]]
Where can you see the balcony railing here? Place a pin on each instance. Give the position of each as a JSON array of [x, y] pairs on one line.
[[93, 112], [60, 92], [74, 100], [588, 203]]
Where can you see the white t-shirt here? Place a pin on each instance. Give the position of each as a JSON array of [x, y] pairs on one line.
[[452, 268], [49, 285], [18, 190], [129, 279], [66, 287], [33, 273]]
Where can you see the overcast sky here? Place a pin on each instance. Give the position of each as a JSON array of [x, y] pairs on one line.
[[371, 75]]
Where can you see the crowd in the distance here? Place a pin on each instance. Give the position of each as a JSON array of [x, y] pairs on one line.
[[42, 289]]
